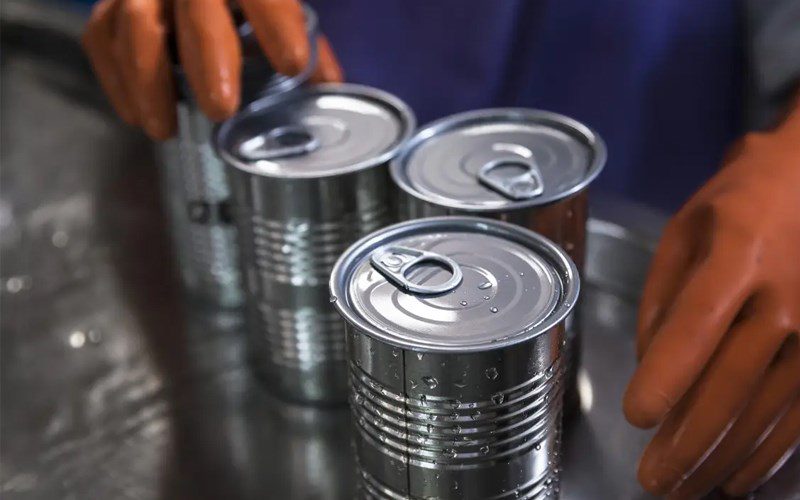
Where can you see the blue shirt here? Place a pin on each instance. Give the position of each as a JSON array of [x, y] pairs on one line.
[[660, 80]]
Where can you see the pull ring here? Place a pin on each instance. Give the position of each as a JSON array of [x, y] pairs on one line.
[[519, 187], [394, 264], [280, 142]]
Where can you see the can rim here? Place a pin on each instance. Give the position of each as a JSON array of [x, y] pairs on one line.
[[401, 109], [278, 82], [397, 168], [354, 255], [285, 83]]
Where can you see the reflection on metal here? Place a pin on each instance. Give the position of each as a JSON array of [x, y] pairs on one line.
[[296, 213], [196, 190], [585, 392], [470, 398]]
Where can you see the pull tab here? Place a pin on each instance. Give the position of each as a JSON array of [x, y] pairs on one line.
[[519, 187], [392, 263], [280, 142]]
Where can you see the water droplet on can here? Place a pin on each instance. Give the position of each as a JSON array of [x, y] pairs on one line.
[[484, 286], [420, 356], [333, 299], [493, 309], [491, 373], [77, 339], [485, 297], [395, 353], [498, 398], [463, 302], [431, 382], [537, 446], [484, 450]]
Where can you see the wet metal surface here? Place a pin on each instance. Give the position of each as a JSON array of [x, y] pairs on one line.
[[112, 387]]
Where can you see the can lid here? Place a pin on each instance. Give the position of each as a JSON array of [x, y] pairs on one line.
[[316, 131], [499, 159], [258, 76], [454, 284]]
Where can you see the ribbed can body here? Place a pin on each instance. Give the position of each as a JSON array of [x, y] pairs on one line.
[[196, 194], [457, 425], [291, 232], [563, 222]]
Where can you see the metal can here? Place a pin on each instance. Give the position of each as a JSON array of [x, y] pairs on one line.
[[528, 167], [195, 188], [308, 173], [455, 333]]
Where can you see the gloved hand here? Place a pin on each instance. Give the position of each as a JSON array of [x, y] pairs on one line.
[[719, 327], [127, 43]]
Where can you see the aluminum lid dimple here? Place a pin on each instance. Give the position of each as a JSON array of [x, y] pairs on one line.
[[499, 159], [511, 284], [315, 131]]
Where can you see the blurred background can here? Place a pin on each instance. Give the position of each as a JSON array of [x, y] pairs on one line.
[[309, 176], [528, 167], [455, 334], [194, 185]]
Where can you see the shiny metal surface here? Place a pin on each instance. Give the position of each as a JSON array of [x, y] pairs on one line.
[[258, 77], [195, 187], [454, 395], [111, 387], [528, 167], [499, 160], [289, 245], [196, 193], [317, 131], [515, 286]]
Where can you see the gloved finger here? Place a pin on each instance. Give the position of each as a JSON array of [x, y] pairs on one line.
[[328, 69], [97, 41], [210, 55], [770, 455], [714, 402], [280, 28], [780, 387], [668, 271], [141, 51], [701, 314]]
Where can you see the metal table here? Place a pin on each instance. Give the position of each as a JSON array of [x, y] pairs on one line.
[[114, 387]]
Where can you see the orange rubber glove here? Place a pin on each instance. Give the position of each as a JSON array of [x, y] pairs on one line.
[[127, 44], [719, 326]]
